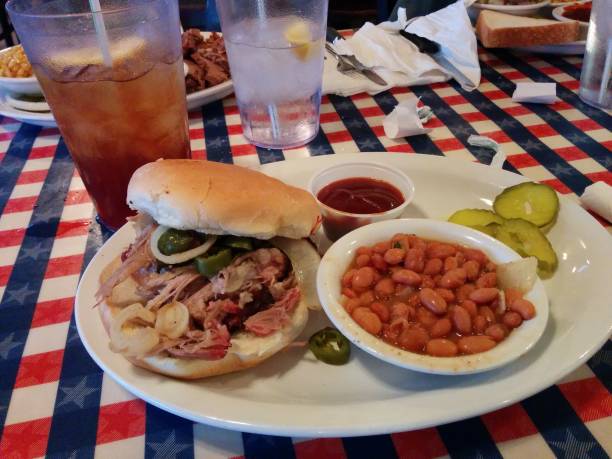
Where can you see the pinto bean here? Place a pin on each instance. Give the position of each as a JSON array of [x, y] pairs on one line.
[[399, 310], [379, 262], [366, 297], [384, 287], [414, 339], [433, 301], [496, 331], [472, 269], [480, 324], [447, 294], [382, 247], [475, 344], [433, 266], [367, 320], [512, 319], [416, 242], [427, 281], [484, 295], [349, 293], [347, 279], [470, 307], [476, 255], [415, 260], [524, 307], [486, 280], [487, 313], [352, 304], [462, 320], [362, 260], [441, 328], [425, 317], [512, 294], [363, 278], [450, 263], [394, 256], [441, 348], [463, 292], [381, 311], [405, 276], [453, 278], [440, 250]]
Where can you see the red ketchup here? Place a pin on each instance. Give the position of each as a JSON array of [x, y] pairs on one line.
[[356, 195]]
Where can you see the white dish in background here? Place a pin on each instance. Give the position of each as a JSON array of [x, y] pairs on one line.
[[28, 106], [44, 119], [27, 85], [205, 96], [557, 13], [528, 9], [293, 394], [339, 256]]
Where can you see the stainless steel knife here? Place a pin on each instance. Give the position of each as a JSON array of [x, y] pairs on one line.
[[351, 63]]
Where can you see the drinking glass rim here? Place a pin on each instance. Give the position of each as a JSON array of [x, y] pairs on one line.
[[9, 8]]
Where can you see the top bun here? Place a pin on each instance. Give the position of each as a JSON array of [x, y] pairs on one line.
[[218, 198]]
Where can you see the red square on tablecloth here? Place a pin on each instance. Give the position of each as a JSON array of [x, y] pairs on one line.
[[73, 228], [557, 185], [509, 423], [604, 176], [39, 368], [43, 152], [589, 398], [321, 448], [77, 197], [25, 439], [64, 266], [10, 238], [120, 421], [5, 273], [571, 153], [587, 125], [24, 204], [27, 177], [419, 444], [52, 312], [522, 160]]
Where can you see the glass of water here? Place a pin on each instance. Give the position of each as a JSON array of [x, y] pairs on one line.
[[275, 50]]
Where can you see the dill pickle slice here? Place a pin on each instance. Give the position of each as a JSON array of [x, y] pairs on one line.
[[527, 240], [487, 229], [534, 202], [475, 217]]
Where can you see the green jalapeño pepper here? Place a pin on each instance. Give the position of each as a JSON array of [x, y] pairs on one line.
[[177, 241], [210, 265], [330, 346]]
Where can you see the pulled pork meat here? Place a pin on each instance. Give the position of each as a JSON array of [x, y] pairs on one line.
[[256, 293], [206, 60]]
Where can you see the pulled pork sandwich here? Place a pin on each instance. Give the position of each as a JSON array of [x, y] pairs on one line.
[[219, 276]]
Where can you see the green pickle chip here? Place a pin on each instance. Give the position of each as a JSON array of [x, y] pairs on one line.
[[534, 202]]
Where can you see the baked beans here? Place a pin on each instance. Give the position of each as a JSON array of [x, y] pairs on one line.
[[431, 297]]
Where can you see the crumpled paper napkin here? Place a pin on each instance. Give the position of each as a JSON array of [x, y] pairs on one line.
[[398, 60], [406, 119], [598, 198]]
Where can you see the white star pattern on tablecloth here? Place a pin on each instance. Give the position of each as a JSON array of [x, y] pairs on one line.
[[33, 252], [507, 122], [560, 169], [267, 157], [7, 345], [462, 130], [548, 116], [23, 143], [319, 150], [530, 145], [355, 123], [366, 143], [443, 111], [344, 105], [76, 394], [20, 295], [169, 448], [11, 166], [215, 121], [571, 447], [217, 142]]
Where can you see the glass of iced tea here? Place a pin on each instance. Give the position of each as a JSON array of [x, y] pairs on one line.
[[115, 83]]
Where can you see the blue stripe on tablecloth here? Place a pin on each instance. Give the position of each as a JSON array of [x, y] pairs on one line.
[[80, 384], [167, 435], [419, 143], [557, 166], [22, 290], [14, 160], [564, 127], [601, 365], [320, 145], [459, 127], [562, 429], [215, 133], [565, 94], [269, 155], [267, 447], [374, 446], [356, 124], [468, 439]]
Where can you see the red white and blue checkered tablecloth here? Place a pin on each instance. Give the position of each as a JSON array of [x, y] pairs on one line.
[[55, 401]]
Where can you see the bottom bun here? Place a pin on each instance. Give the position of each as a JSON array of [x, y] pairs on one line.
[[246, 350]]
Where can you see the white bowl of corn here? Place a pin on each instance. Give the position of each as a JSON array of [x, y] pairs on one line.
[[16, 72]]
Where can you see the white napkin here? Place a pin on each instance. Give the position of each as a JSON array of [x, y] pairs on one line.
[[406, 120], [399, 62], [537, 93], [598, 198]]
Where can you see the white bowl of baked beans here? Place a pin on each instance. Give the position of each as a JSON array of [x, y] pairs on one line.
[[422, 294]]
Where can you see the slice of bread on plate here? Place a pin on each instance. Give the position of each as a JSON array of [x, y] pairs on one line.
[[500, 30]]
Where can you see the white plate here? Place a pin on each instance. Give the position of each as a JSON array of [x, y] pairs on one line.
[[44, 119], [205, 96], [565, 49], [339, 256], [517, 10], [292, 394]]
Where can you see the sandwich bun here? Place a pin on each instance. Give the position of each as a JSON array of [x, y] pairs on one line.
[[218, 198], [247, 349]]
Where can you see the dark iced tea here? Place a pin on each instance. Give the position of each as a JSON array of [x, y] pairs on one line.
[[115, 120]]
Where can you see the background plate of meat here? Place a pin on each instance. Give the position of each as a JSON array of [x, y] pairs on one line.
[[207, 76]]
